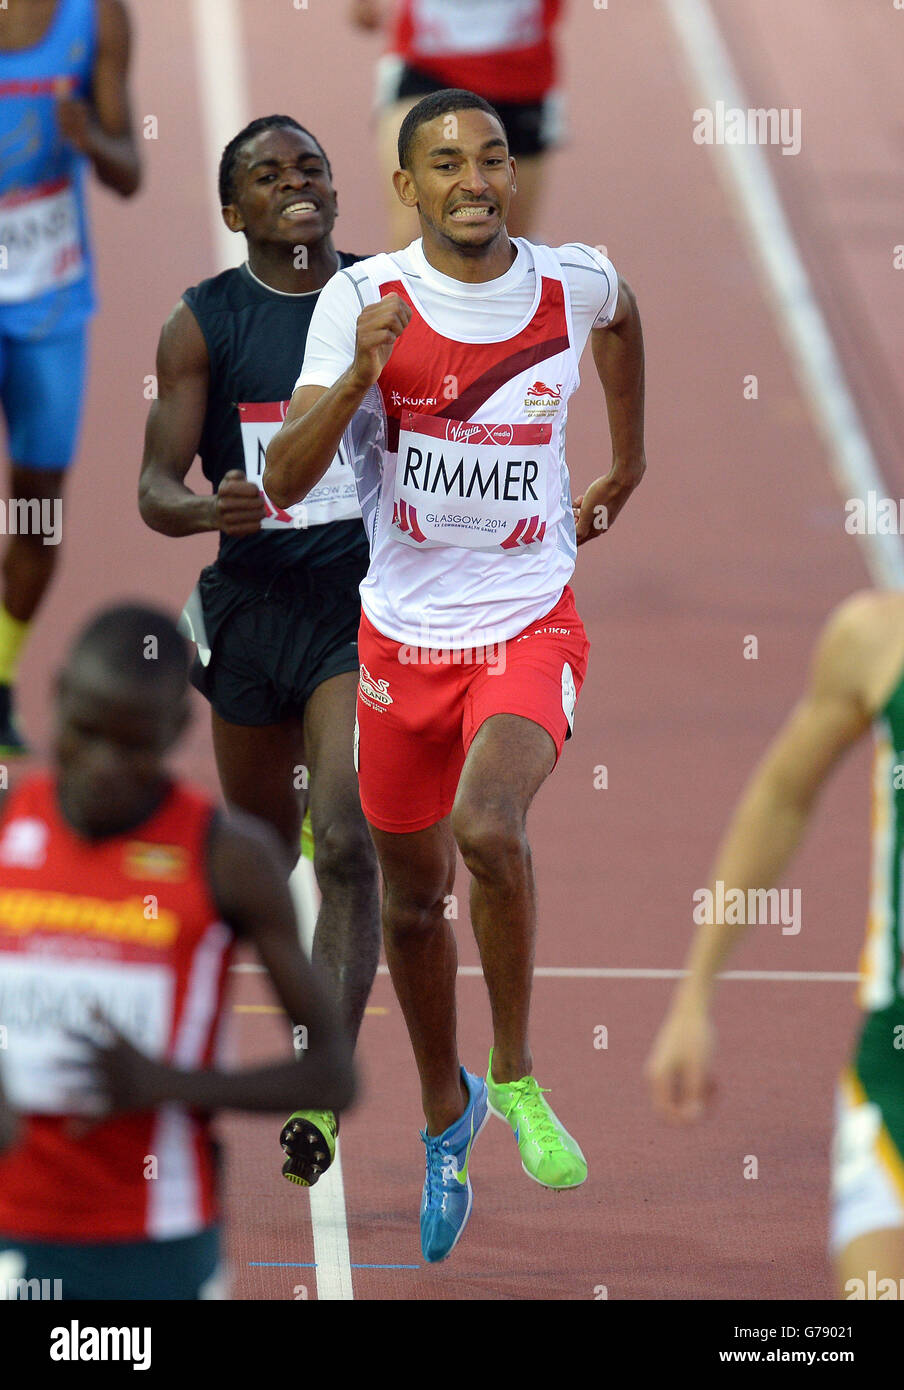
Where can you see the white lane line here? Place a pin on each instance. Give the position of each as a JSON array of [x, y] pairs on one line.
[[567, 972], [330, 1227], [329, 1221], [744, 167], [594, 972], [306, 897], [223, 97]]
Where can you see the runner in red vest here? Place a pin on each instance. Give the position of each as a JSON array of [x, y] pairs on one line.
[[446, 369], [122, 893], [503, 49]]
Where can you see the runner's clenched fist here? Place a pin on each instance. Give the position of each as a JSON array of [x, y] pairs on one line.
[[378, 328], [238, 505]]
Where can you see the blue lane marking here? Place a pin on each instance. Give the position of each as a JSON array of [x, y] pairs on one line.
[[310, 1264]]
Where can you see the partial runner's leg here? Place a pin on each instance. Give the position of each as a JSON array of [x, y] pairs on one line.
[[418, 875], [347, 936], [259, 768], [507, 762]]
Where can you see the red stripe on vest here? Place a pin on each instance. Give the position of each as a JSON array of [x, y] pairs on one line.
[[423, 361]]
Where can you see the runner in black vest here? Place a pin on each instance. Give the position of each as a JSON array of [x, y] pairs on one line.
[[280, 605]]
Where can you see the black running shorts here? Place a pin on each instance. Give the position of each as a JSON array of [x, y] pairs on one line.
[[532, 126], [274, 641]]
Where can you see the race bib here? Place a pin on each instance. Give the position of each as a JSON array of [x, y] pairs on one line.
[[476, 26], [40, 999], [479, 486], [335, 498], [40, 241]]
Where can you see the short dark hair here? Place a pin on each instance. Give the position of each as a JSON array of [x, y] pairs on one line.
[[118, 638], [438, 104], [230, 156]]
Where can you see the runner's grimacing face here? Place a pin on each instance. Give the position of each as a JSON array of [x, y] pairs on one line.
[[110, 740], [462, 177], [283, 190]]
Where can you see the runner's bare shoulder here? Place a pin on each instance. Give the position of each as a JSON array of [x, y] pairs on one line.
[[182, 345], [862, 645]]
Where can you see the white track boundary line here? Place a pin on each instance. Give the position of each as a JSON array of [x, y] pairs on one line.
[[329, 1220], [330, 1226], [224, 105], [617, 972], [746, 171], [223, 98], [306, 897]]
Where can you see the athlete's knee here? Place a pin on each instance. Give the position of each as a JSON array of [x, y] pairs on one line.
[[344, 855], [491, 837], [29, 553], [37, 494], [38, 534], [284, 819], [34, 518], [415, 909]]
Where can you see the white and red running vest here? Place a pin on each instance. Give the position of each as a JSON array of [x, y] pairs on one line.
[[459, 455]]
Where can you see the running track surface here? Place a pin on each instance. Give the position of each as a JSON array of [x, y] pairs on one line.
[[736, 531]]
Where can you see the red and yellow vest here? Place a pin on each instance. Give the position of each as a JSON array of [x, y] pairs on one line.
[[127, 923]]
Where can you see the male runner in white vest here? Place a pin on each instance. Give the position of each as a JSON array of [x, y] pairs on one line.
[[447, 368]]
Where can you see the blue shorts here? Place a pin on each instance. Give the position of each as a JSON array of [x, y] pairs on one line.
[[41, 387], [187, 1268]]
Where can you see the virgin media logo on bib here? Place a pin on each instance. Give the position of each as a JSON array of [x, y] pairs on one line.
[[471, 484], [463, 432]]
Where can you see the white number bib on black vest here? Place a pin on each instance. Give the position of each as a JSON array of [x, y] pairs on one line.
[[335, 497], [480, 486]]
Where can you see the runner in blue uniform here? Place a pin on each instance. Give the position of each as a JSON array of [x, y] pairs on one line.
[[64, 108]]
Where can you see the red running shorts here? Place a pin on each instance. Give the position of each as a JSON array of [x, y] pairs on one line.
[[419, 710]]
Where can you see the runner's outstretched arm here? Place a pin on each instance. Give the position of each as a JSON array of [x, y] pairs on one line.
[[299, 454], [763, 834], [618, 355], [102, 128], [248, 875], [171, 441]]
